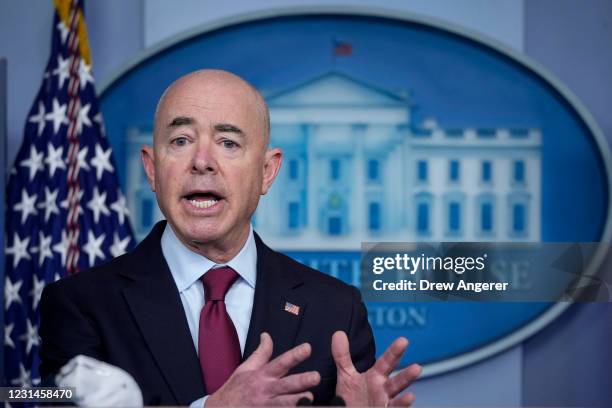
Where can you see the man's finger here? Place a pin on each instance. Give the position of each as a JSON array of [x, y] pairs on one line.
[[404, 400], [261, 355], [290, 400], [392, 355], [341, 352], [289, 359], [402, 380], [295, 383]]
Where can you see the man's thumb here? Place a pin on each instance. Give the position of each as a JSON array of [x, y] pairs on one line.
[[341, 352], [261, 355]]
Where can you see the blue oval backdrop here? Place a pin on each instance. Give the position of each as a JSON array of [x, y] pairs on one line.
[[393, 130]]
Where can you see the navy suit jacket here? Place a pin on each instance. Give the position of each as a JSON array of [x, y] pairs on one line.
[[128, 313]]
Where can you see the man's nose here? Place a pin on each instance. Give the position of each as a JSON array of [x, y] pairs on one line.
[[203, 160]]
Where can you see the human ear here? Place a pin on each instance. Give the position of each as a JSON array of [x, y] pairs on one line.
[[273, 159], [148, 161]]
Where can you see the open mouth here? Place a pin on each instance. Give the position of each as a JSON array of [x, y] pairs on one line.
[[203, 199]]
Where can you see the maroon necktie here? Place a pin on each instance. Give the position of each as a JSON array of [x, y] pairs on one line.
[[218, 343]]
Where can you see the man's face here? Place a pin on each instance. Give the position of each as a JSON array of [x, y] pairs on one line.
[[209, 163]]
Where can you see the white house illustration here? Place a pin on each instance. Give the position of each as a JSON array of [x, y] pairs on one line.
[[356, 168]]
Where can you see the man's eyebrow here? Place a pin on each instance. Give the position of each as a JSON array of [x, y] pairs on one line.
[[227, 127], [181, 121]]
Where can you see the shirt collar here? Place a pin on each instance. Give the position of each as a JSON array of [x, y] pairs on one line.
[[187, 266]]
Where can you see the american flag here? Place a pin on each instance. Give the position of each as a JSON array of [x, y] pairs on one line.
[[65, 212], [291, 308], [342, 48]]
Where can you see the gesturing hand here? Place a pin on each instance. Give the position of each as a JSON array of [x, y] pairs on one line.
[[258, 381], [375, 387]]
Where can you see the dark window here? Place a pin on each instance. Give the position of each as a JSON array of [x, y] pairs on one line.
[[519, 133], [453, 170], [293, 169], [374, 216], [519, 171], [423, 217], [422, 170], [486, 132], [518, 217], [335, 226], [486, 217], [454, 217], [334, 169], [486, 171], [454, 132], [420, 132], [373, 170]]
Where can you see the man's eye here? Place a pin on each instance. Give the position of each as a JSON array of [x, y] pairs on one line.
[[180, 141], [229, 144]]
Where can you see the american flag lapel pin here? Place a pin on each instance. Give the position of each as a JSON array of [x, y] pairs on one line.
[[291, 308]]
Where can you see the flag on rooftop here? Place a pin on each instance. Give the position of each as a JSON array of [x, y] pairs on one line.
[[342, 48]]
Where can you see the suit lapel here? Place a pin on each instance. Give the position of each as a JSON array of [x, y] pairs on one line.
[[155, 304], [274, 291]]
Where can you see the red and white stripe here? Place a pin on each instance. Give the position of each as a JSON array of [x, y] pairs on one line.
[[74, 105]]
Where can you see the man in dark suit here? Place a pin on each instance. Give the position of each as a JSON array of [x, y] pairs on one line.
[[202, 307]]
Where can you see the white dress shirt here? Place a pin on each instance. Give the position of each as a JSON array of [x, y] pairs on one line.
[[187, 267]]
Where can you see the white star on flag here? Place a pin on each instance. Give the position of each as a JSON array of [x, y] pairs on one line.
[[54, 158], [97, 204], [101, 161], [85, 74], [93, 247], [34, 163], [26, 205], [19, 250], [100, 121], [30, 336], [63, 31], [39, 118], [57, 115], [82, 160], [43, 249], [50, 205], [119, 246], [36, 292], [24, 378], [11, 292], [120, 207], [8, 341], [83, 118], [63, 70], [62, 247]]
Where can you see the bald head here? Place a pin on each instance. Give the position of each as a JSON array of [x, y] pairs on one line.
[[207, 81], [210, 161]]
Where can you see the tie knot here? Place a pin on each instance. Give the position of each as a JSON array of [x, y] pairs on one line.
[[217, 282]]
